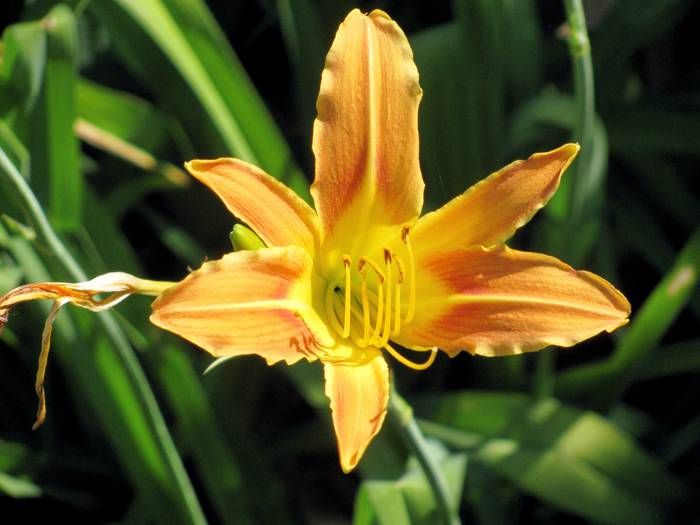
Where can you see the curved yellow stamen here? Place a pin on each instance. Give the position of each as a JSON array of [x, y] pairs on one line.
[[365, 309], [411, 275], [397, 311], [387, 297], [397, 298], [410, 364], [376, 335]]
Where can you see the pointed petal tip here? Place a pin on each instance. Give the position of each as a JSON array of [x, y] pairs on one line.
[[506, 302], [271, 209], [566, 152], [348, 464], [378, 13], [359, 395], [365, 136]]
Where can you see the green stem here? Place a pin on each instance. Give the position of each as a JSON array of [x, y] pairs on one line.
[[545, 369], [578, 183], [116, 336], [402, 415], [584, 93]]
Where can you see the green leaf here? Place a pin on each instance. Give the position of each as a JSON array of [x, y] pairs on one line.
[[46, 125], [300, 21], [179, 45], [135, 131], [410, 498], [417, 491], [121, 114], [450, 141], [198, 426], [16, 487], [380, 502], [522, 34], [23, 64], [18, 156], [554, 452], [63, 150]]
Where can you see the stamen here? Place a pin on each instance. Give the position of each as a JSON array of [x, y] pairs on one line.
[[365, 309], [410, 364], [348, 297], [397, 310], [388, 297], [411, 275], [376, 335], [397, 299]]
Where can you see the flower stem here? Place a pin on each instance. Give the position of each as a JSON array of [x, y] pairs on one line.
[[402, 415], [584, 93], [579, 190]]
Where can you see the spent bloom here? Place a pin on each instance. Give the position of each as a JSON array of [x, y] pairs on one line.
[[362, 275]]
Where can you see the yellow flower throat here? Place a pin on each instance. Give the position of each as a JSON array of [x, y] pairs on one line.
[[368, 306]]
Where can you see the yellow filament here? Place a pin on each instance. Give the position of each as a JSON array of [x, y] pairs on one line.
[[376, 335], [411, 276], [365, 310], [387, 297], [397, 310], [339, 308], [348, 297], [397, 299], [410, 364]]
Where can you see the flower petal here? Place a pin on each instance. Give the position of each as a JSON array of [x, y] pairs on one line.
[[359, 394], [277, 214], [249, 302], [499, 301], [366, 134], [489, 212]]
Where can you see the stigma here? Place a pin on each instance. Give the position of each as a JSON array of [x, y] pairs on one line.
[[374, 298]]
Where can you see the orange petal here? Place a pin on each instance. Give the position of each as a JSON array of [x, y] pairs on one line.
[[249, 302], [275, 212], [500, 301], [489, 212], [359, 394], [366, 134]]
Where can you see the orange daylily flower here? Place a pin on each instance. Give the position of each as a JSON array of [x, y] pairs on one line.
[[346, 283]]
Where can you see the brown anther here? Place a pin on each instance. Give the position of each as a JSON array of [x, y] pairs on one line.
[[404, 233]]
